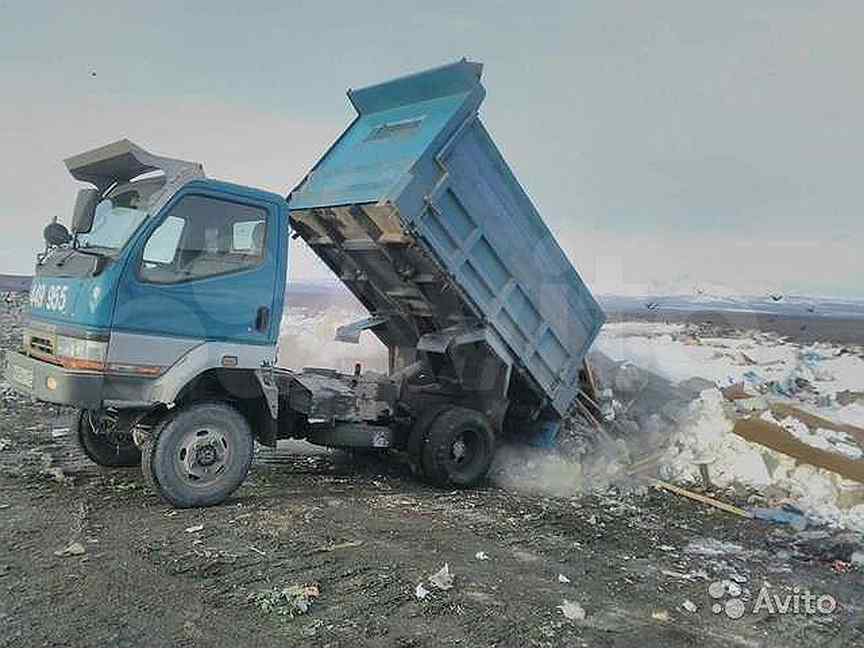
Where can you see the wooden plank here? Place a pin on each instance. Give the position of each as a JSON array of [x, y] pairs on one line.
[[394, 238], [698, 497], [779, 439]]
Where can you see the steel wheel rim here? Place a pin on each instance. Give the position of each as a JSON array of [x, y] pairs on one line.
[[464, 448], [203, 456]]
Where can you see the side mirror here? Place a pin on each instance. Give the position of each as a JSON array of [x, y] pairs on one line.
[[56, 234], [85, 207]]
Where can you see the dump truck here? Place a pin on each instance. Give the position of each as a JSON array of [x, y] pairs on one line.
[[157, 316]]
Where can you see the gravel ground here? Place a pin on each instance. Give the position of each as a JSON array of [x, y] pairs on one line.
[[323, 550]]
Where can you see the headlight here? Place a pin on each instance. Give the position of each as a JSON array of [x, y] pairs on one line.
[[76, 353]]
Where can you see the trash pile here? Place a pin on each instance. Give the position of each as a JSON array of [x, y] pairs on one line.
[[755, 365], [758, 415]]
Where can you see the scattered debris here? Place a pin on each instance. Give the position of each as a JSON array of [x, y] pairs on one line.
[[56, 474], [691, 576], [195, 529], [795, 519], [702, 463], [661, 615], [737, 391], [341, 545], [714, 547], [563, 579], [481, 555], [841, 567], [572, 610], [73, 549], [442, 579], [288, 601], [849, 397]]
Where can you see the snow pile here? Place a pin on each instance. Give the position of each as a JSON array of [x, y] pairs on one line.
[[820, 379], [770, 364], [852, 414], [706, 437]]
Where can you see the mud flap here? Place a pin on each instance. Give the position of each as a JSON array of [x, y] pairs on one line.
[[268, 431]]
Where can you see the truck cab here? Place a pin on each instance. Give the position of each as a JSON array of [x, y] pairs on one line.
[[157, 275], [170, 290]]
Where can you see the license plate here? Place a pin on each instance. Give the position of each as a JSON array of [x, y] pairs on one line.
[[22, 375]]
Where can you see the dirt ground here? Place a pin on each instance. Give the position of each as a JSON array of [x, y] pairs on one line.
[[365, 533]]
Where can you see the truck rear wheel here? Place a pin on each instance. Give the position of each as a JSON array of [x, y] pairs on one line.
[[103, 443], [198, 455], [458, 448], [420, 430]]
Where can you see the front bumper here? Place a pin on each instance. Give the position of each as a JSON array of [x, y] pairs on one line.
[[47, 382]]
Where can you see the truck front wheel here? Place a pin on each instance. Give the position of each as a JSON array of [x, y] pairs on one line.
[[458, 448], [198, 455], [104, 442]]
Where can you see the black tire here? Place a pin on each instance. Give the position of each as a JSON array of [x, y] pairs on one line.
[[417, 435], [458, 449], [113, 449], [223, 447]]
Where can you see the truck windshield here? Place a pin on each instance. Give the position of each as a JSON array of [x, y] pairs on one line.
[[117, 217]]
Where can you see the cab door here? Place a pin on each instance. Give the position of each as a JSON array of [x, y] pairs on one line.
[[206, 270]]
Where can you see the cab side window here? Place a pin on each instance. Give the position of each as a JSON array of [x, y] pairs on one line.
[[204, 237]]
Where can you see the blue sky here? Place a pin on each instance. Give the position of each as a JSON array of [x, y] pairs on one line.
[[669, 145]]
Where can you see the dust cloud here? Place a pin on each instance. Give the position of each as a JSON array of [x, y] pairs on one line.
[[307, 339]]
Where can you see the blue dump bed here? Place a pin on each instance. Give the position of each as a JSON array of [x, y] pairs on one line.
[[419, 215]]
